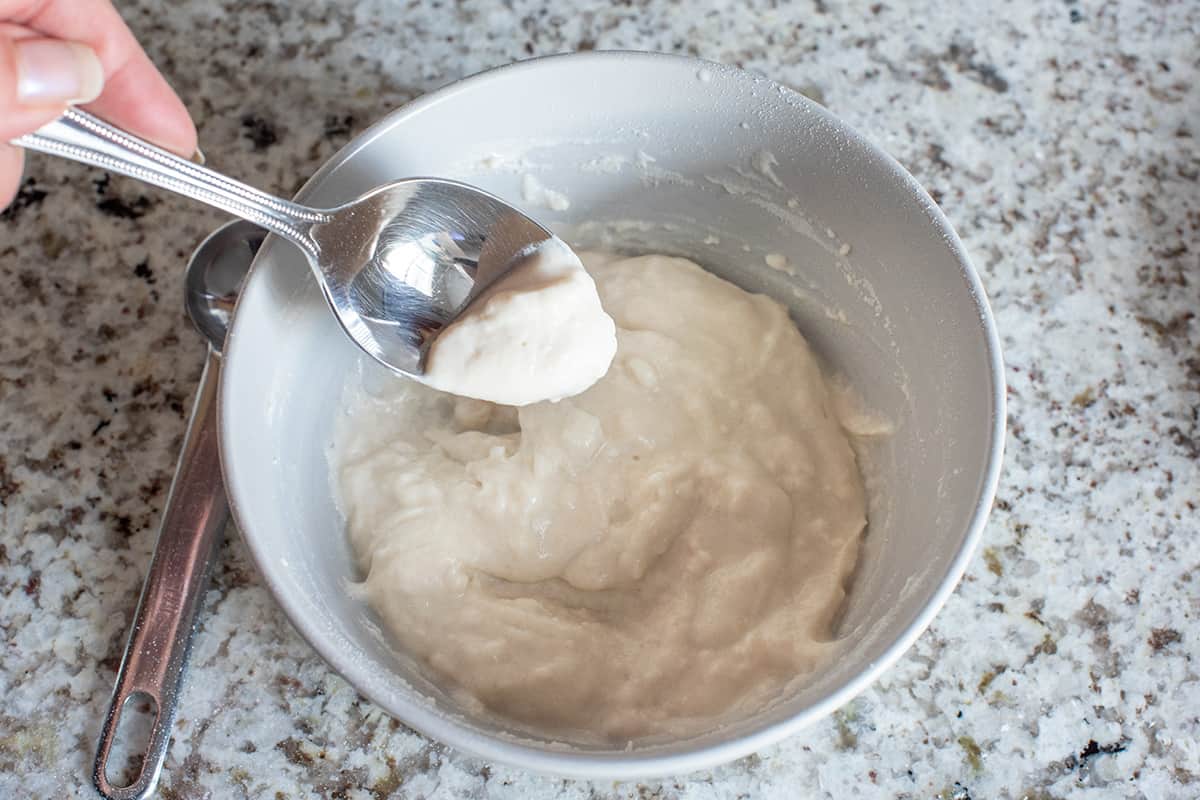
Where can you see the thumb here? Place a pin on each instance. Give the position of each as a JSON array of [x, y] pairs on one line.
[[39, 77]]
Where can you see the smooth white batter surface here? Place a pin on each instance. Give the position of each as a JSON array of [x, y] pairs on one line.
[[538, 334], [657, 555]]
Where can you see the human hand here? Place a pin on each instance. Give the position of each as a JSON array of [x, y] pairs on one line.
[[59, 52]]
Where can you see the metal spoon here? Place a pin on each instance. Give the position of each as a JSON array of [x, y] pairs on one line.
[[193, 519], [396, 265]]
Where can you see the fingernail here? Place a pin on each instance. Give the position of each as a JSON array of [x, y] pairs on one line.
[[198, 157], [50, 70]]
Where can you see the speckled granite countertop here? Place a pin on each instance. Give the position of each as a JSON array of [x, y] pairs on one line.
[[1060, 137]]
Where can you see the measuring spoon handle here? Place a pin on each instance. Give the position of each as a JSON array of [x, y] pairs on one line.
[[165, 619]]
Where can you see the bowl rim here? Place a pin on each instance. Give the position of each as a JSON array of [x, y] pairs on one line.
[[421, 716]]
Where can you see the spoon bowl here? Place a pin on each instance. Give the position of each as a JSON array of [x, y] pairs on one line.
[[400, 263], [214, 276]]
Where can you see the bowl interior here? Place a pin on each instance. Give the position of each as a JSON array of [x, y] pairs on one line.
[[653, 154]]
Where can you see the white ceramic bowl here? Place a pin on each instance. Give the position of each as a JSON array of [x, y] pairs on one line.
[[664, 154]]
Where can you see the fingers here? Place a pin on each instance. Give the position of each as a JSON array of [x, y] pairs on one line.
[[135, 97], [132, 102], [11, 164], [34, 89], [58, 52], [38, 77]]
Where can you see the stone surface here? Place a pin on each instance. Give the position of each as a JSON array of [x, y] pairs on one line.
[[1061, 139]]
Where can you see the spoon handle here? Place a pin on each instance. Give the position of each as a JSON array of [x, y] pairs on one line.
[[165, 620], [81, 137]]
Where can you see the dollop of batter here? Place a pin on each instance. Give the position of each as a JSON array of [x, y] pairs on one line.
[[655, 556], [539, 333]]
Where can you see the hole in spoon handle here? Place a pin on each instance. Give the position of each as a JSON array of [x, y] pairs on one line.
[[128, 762]]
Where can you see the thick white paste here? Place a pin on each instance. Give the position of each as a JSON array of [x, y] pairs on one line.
[[657, 555], [539, 333]]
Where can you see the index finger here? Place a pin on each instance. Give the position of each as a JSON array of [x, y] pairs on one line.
[[136, 96]]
